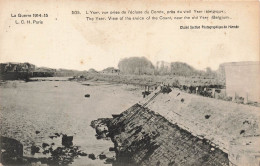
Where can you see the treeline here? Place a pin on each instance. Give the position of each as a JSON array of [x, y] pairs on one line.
[[16, 67], [68, 73], [132, 65], [142, 66], [136, 65]]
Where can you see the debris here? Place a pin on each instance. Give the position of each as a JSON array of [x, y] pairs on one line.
[[57, 134], [10, 148], [242, 131], [101, 129], [44, 145], [102, 156], [53, 137], [37, 132], [92, 156], [166, 89], [207, 116], [111, 149], [182, 100], [58, 151], [87, 95], [145, 93], [246, 121], [46, 151], [67, 140], [110, 160], [83, 154], [34, 149], [117, 115]]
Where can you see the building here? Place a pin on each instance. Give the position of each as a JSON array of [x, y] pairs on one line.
[[111, 70], [243, 80]]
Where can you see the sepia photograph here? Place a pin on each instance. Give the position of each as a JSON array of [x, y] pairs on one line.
[[129, 83]]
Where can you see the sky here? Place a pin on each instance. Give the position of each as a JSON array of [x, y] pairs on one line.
[[71, 42]]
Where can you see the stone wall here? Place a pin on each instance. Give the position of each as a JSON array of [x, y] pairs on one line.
[[142, 137]]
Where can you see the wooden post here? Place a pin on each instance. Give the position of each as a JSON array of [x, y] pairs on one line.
[[213, 92], [234, 96]]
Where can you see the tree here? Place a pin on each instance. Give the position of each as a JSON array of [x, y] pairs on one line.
[[136, 65]]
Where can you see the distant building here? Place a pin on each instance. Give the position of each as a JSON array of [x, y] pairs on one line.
[[111, 70], [243, 80]]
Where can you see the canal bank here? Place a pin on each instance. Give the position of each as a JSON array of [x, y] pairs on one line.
[[184, 129]]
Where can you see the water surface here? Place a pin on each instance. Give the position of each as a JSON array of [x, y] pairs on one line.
[[55, 106]]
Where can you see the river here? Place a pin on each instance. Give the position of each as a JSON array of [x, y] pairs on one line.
[[30, 112]]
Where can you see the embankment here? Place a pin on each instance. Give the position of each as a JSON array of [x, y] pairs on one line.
[[185, 129], [153, 80], [142, 137], [216, 120]]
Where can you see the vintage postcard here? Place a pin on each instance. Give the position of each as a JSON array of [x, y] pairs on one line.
[[129, 83]]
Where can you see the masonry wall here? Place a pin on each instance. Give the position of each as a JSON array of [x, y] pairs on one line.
[[142, 137]]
